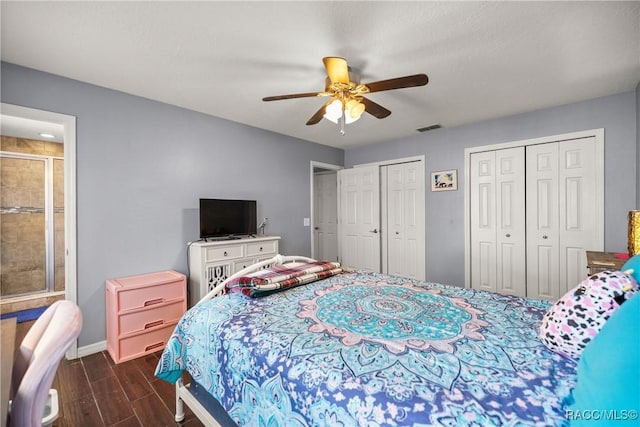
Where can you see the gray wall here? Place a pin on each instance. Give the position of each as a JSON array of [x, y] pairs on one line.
[[143, 165], [444, 149]]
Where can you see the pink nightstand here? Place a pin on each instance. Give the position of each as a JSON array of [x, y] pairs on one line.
[[142, 312]]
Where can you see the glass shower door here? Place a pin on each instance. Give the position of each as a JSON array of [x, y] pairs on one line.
[[23, 219]]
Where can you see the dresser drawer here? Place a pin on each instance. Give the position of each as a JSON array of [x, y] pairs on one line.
[[224, 253], [135, 298], [138, 345], [261, 248], [150, 318]]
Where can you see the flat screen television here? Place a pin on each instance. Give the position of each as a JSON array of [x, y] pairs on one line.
[[227, 218]]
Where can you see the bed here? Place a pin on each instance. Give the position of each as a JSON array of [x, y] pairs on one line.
[[366, 349]]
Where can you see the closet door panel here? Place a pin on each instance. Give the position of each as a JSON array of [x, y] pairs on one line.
[[405, 220], [414, 234], [510, 222], [578, 219], [483, 221], [545, 267], [543, 252], [395, 216], [574, 260]]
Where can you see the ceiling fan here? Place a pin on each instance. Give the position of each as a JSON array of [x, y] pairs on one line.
[[347, 101]]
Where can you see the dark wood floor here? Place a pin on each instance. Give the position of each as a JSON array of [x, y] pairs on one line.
[[94, 391]]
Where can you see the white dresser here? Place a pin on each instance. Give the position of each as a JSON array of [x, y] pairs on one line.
[[212, 262]]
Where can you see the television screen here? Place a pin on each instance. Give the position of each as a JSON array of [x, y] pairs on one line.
[[219, 217]]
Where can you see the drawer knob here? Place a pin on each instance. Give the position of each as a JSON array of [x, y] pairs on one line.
[[260, 248], [225, 253]]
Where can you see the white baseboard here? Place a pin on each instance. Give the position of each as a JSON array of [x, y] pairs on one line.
[[92, 348]]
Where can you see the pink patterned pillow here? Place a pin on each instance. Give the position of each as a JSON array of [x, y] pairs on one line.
[[577, 317]]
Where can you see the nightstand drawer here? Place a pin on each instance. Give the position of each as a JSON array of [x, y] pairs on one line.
[[223, 253], [261, 248], [131, 299], [138, 345], [150, 318]]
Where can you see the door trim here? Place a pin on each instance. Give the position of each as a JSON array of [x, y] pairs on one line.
[[598, 134], [328, 167], [420, 158], [69, 124]]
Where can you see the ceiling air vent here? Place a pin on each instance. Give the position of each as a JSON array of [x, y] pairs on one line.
[[432, 127]]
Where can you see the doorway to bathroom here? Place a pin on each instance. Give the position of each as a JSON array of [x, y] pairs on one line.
[[38, 200]]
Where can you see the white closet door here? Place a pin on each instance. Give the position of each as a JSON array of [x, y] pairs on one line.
[[511, 273], [483, 221], [360, 217], [326, 216], [578, 219], [543, 237], [498, 240], [405, 220], [561, 220]]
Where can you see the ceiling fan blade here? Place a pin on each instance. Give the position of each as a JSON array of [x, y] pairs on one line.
[[376, 110], [337, 69], [398, 83], [293, 95], [319, 114]]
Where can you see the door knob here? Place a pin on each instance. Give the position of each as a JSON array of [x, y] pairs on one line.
[[507, 235], [544, 237], [316, 228], [397, 232], [374, 231]]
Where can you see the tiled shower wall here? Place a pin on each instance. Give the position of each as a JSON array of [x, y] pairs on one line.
[[22, 268]]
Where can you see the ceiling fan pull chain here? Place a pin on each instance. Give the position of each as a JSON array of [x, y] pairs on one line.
[[342, 120]]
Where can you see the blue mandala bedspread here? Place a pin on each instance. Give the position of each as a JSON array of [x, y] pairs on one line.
[[366, 349]]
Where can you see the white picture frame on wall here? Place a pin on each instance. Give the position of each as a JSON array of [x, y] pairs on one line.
[[444, 180]]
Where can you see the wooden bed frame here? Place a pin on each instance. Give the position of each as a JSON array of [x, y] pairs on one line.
[[183, 391]]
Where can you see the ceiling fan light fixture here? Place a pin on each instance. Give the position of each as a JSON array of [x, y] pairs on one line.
[[333, 112], [354, 109], [348, 119]]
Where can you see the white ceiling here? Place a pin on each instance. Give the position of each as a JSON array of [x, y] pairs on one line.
[[484, 59], [31, 129]]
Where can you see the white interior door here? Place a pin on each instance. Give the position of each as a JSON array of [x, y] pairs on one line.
[[543, 250], [404, 231], [326, 216], [360, 217]]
